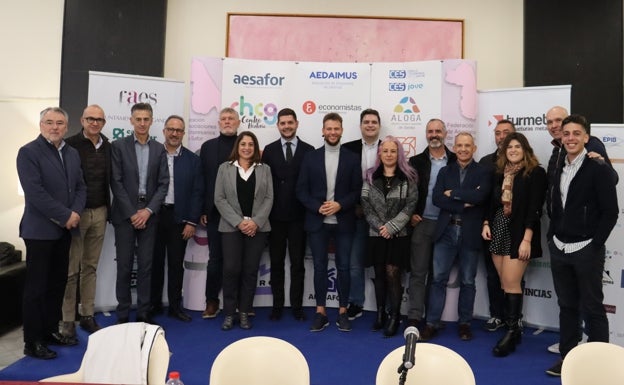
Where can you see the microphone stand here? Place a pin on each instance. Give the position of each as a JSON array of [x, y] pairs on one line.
[[403, 370]]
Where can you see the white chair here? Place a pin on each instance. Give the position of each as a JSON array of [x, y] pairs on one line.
[[131, 353], [433, 365], [594, 363], [260, 361]]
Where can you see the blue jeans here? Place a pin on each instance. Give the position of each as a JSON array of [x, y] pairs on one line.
[[319, 245], [358, 251], [449, 246]]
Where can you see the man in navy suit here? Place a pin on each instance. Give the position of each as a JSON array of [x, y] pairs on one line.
[[284, 156], [179, 215], [55, 195], [329, 186], [214, 152], [461, 189], [140, 179]]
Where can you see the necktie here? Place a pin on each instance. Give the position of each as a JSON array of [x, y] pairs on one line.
[[289, 154]]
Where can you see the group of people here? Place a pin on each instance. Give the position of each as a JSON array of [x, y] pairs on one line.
[[364, 198]]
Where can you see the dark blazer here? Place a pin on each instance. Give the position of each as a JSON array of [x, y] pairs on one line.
[[474, 190], [591, 208], [312, 188], [226, 198], [422, 164], [526, 207], [286, 206], [52, 190], [125, 178], [210, 159], [188, 187]]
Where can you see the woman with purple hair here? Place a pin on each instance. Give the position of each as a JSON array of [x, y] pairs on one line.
[[389, 197]]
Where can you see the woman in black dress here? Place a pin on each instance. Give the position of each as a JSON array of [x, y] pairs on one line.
[[388, 200], [513, 226]]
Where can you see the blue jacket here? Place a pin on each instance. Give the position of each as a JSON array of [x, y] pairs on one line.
[[474, 190], [188, 187], [52, 189], [312, 188]]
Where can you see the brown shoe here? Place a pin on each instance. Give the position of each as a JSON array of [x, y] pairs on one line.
[[67, 329], [212, 309], [428, 332], [88, 324], [465, 334]]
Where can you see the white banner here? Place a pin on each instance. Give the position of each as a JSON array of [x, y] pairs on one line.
[[527, 108], [116, 94], [612, 135]]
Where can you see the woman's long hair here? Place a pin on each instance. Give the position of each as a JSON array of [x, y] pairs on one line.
[[256, 158], [529, 160], [402, 163]]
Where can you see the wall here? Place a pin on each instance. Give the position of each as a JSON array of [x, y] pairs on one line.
[[30, 70], [32, 34]]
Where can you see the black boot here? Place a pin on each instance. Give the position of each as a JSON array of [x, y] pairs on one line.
[[381, 319], [513, 336], [393, 324]]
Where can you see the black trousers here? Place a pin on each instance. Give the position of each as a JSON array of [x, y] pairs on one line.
[[169, 246], [241, 258], [291, 235], [47, 262], [214, 270]]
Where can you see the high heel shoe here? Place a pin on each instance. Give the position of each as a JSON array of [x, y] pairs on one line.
[[381, 319], [393, 325]]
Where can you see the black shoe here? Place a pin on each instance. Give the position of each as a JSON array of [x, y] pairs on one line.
[[298, 314], [354, 311], [276, 314], [381, 319], [180, 315], [555, 370], [464, 332], [147, 319], [343, 323], [38, 350], [88, 324], [320, 322], [393, 325], [157, 309], [122, 320], [59, 339]]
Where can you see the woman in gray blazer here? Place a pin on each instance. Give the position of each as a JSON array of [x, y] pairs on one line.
[[244, 197]]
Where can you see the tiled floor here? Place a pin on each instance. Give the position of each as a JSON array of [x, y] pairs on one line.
[[11, 347]]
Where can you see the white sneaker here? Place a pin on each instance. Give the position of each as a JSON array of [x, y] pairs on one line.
[[554, 348]]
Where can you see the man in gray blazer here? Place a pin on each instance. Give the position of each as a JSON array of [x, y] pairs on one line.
[[54, 195], [140, 179]]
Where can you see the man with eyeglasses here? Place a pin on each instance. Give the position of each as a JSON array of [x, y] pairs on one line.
[[179, 215], [139, 181], [84, 254], [54, 196]]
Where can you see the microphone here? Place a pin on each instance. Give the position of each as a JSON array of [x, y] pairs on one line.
[[411, 335]]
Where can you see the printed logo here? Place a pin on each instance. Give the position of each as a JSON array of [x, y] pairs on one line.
[[407, 105], [264, 284], [259, 80], [333, 75], [309, 107], [495, 119], [257, 115], [397, 87], [538, 293], [397, 74], [134, 97]]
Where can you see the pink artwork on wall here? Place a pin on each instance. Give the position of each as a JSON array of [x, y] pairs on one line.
[[342, 39]]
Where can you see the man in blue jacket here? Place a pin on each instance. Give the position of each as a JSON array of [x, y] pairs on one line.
[[460, 192], [55, 195], [179, 215]]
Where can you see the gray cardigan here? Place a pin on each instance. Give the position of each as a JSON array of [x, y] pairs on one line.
[[393, 210], [226, 198]]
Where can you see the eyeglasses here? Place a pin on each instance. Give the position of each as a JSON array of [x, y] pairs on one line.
[[176, 130], [92, 120]]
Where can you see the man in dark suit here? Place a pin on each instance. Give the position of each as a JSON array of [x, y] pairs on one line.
[[179, 215], [84, 253], [329, 186], [214, 152], [139, 182], [284, 156], [54, 195], [496, 295], [460, 192], [366, 150]]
